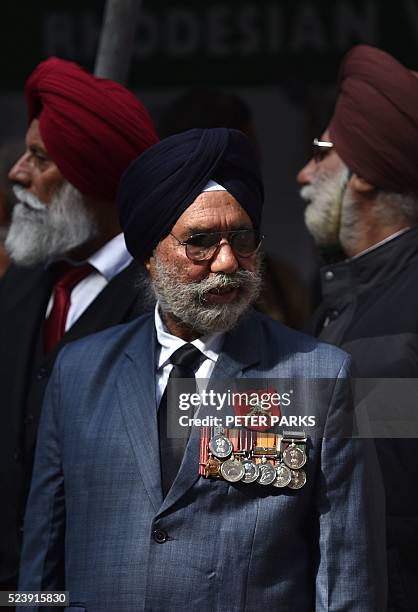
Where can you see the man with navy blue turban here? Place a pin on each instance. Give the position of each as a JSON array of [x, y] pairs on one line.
[[144, 496]]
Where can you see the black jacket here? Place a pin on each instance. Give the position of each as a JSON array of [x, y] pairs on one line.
[[370, 309], [24, 374]]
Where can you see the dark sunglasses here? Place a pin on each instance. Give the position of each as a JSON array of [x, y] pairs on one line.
[[201, 247], [321, 148]]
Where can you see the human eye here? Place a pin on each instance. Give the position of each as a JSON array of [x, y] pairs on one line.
[[245, 241], [40, 158], [204, 240]]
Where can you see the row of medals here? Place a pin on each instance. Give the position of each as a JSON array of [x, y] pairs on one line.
[[240, 466]]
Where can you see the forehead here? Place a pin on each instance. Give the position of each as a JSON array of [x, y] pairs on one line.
[[213, 211]]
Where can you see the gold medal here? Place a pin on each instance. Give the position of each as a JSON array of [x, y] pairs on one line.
[[212, 467]]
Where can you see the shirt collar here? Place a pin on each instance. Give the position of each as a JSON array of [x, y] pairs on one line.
[[111, 258], [210, 344]]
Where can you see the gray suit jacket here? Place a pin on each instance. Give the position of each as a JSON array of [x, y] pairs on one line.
[[98, 526]]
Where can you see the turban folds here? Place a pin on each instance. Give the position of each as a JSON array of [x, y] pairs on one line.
[[375, 123], [162, 183], [92, 128]]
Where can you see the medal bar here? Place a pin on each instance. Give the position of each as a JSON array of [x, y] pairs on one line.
[[248, 456]]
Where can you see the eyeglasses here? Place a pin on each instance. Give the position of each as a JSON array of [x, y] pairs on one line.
[[201, 247], [321, 148]]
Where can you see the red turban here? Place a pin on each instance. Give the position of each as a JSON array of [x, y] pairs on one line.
[[92, 128], [375, 123]]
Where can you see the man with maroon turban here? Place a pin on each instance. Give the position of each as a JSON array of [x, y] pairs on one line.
[[72, 274], [362, 191]]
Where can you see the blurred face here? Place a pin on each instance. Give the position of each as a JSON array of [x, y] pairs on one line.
[[205, 296], [50, 217], [324, 182], [35, 170]]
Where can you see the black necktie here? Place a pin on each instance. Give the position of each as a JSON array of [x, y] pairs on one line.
[[173, 437]]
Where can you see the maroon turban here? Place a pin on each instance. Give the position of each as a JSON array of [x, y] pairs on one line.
[[375, 123], [92, 128]]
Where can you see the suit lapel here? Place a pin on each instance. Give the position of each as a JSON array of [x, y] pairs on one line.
[[241, 350], [136, 392], [24, 297], [119, 302], [112, 306]]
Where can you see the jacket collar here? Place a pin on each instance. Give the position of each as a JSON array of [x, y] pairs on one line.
[[374, 266]]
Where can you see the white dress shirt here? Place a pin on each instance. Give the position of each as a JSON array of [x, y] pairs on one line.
[[210, 345], [108, 261]]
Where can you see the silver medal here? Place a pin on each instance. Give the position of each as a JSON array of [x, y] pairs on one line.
[[267, 473], [298, 479], [283, 476], [221, 447], [251, 471], [294, 457], [232, 470]]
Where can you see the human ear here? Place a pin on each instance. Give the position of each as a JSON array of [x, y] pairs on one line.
[[360, 184]]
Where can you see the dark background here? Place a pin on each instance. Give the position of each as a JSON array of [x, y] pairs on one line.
[[281, 56]]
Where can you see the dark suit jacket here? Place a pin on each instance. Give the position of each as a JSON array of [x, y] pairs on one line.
[[372, 307], [25, 371], [97, 523]]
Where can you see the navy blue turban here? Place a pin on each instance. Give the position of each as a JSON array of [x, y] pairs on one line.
[[165, 180]]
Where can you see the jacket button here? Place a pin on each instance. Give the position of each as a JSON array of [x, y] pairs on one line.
[[17, 455], [329, 275], [42, 372], [29, 419], [334, 314], [160, 536]]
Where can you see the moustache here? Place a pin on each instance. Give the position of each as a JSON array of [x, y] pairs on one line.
[[222, 281], [307, 193], [23, 196]]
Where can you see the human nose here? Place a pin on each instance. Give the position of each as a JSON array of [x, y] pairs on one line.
[[224, 259], [306, 174], [20, 171]]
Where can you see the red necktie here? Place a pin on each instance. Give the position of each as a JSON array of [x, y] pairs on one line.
[[68, 277]]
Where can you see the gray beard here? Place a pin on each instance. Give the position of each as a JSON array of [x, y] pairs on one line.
[[39, 233], [186, 301], [323, 213]]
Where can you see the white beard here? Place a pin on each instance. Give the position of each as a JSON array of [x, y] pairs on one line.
[[186, 300], [39, 233], [323, 213]]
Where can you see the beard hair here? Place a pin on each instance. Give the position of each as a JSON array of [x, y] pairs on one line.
[[351, 221], [186, 303], [39, 233], [323, 213]]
